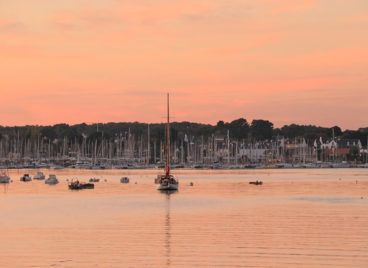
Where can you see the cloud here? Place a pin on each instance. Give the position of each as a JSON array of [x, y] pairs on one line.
[[11, 26], [220, 59], [86, 19], [290, 6], [146, 13]]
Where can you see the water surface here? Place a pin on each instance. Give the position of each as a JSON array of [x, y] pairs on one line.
[[298, 218]]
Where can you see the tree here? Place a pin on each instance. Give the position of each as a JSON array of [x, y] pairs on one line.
[[261, 129], [220, 124], [239, 128], [336, 131]]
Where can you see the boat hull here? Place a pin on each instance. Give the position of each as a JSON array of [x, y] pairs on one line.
[[168, 187], [81, 186], [4, 179]]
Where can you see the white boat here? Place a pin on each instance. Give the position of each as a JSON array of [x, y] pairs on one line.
[[167, 182], [25, 178], [57, 167], [124, 180], [4, 178], [82, 165], [39, 176], [52, 180]]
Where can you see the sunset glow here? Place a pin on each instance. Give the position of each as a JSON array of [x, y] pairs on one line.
[[286, 61]]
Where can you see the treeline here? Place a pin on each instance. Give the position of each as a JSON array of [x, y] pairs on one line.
[[239, 129]]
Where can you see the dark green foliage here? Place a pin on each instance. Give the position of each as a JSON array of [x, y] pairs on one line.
[[239, 129], [309, 132], [261, 129], [336, 131]]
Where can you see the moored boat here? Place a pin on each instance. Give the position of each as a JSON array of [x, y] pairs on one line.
[[167, 182], [94, 180], [25, 178], [51, 180], [76, 185], [124, 180], [4, 178], [257, 182], [39, 176]]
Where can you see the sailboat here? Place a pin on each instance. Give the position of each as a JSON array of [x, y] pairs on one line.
[[167, 182]]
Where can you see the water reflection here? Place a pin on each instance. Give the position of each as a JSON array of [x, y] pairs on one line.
[[168, 227], [5, 185], [221, 222]]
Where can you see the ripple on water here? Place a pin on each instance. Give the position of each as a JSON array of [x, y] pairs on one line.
[[293, 220]]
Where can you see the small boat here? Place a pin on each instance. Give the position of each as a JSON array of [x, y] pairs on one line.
[[52, 180], [57, 167], [94, 180], [97, 166], [4, 178], [39, 176], [250, 166], [25, 178], [257, 182], [124, 180], [199, 166], [76, 185]]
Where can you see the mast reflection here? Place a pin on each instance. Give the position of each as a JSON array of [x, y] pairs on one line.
[[168, 227]]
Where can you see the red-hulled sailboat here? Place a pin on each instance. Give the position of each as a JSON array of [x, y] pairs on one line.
[[167, 182]]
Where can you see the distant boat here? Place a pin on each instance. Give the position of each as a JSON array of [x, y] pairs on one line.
[[198, 166], [39, 176], [124, 180], [94, 180], [167, 182], [4, 178], [250, 166], [257, 182], [25, 178], [52, 180], [57, 167], [76, 185], [217, 166], [97, 166], [82, 165]]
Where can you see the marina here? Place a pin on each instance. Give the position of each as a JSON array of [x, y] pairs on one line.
[[183, 134], [231, 145], [303, 218]]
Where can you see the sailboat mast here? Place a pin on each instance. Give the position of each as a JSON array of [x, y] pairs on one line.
[[168, 137]]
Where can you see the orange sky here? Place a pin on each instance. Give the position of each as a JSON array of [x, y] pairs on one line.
[[287, 61]]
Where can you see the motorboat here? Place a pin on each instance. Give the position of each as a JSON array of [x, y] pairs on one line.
[[76, 185], [57, 167], [257, 182], [25, 178], [94, 180], [52, 180], [4, 178], [167, 182], [250, 166], [124, 180], [39, 176]]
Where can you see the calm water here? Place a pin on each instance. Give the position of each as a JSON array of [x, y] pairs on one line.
[[298, 218]]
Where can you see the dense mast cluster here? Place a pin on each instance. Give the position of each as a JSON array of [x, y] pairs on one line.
[[236, 142]]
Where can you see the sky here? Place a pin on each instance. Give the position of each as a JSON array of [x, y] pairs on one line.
[[286, 61]]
